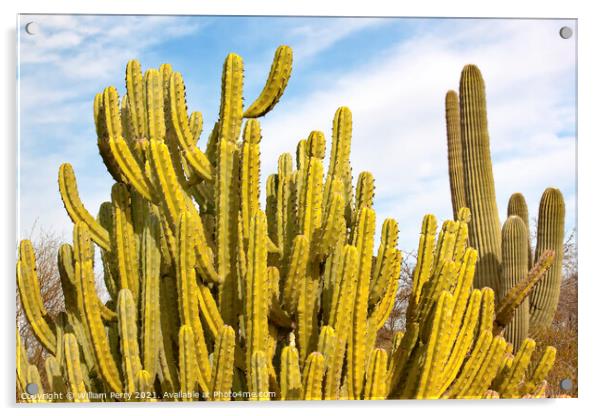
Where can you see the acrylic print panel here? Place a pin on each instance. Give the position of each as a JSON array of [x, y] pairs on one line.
[[295, 208]]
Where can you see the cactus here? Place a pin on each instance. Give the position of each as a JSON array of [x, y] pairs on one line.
[[505, 255], [210, 295]]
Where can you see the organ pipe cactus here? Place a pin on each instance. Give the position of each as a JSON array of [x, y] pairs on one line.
[[213, 298], [505, 254]]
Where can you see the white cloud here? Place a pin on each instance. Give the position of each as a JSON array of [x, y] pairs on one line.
[[82, 52], [397, 101]]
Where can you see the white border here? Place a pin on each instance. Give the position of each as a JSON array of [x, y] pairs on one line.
[[589, 151]]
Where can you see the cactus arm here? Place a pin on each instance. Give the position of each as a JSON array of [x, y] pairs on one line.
[[223, 364], [33, 377], [54, 375], [21, 363], [102, 136], [135, 93], [400, 358], [290, 374], [209, 311], [195, 124], [520, 291], [313, 373], [484, 229], [462, 291], [296, 272], [73, 370], [128, 337], [186, 139], [471, 367], [85, 274], [76, 210], [487, 310], [129, 167], [339, 164], [307, 308], [364, 196], [541, 370], [230, 112], [434, 361], [258, 377], [487, 371], [123, 240], [383, 309], [515, 266], [277, 315], [29, 290], [188, 366], [463, 341], [249, 181], [227, 203], [151, 304], [187, 294], [424, 263], [340, 310], [363, 241], [109, 124], [280, 72], [454, 151], [385, 261], [518, 206], [166, 182], [154, 105], [204, 253], [543, 301], [376, 380], [256, 290], [310, 209], [520, 364], [285, 209], [334, 225]]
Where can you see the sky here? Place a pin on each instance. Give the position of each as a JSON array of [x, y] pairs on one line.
[[392, 73]]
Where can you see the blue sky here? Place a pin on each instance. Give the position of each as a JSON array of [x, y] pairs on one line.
[[392, 73]]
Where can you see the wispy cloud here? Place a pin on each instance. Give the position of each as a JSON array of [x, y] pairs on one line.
[[399, 130], [61, 68], [396, 94]]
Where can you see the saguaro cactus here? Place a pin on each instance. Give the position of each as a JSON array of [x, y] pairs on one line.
[[212, 298], [505, 254]]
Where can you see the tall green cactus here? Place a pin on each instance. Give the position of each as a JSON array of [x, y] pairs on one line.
[[505, 254], [212, 298]]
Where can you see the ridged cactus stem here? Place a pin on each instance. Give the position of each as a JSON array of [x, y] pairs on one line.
[[256, 291], [550, 236], [31, 298], [363, 241], [376, 380], [515, 267], [454, 151], [128, 335], [223, 365], [290, 374], [484, 229], [518, 206]]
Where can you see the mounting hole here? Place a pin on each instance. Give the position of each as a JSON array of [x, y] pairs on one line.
[[31, 389], [31, 28], [566, 384], [565, 32]]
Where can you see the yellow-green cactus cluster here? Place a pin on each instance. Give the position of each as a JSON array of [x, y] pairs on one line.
[[213, 298]]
